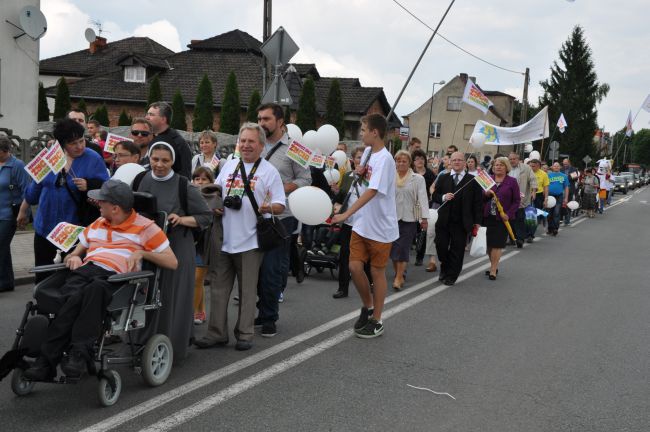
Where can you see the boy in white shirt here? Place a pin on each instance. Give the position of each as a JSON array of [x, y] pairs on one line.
[[375, 225]]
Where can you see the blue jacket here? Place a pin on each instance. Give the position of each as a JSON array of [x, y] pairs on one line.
[[54, 202], [13, 182]]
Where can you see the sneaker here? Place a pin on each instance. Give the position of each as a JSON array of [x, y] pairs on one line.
[[243, 345], [258, 322], [199, 318], [40, 370], [363, 318], [269, 330], [371, 330], [281, 298]]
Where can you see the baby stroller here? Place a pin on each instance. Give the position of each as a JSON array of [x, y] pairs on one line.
[[325, 253], [136, 296]]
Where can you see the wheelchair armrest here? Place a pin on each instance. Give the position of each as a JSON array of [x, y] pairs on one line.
[[48, 268], [125, 277]]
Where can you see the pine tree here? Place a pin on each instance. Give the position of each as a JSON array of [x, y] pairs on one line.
[[334, 108], [43, 110], [81, 105], [62, 102], [204, 108], [573, 89], [230, 107], [287, 115], [178, 108], [101, 115], [155, 92], [125, 119], [306, 116], [253, 103]]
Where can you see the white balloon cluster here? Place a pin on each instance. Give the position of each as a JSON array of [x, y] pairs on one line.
[[477, 140], [325, 139]]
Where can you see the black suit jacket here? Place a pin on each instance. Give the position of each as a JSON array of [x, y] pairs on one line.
[[471, 198]]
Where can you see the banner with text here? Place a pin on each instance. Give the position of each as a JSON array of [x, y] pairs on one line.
[[535, 129]]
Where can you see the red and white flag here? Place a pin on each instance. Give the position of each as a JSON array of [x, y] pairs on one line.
[[474, 96], [561, 123], [628, 125]]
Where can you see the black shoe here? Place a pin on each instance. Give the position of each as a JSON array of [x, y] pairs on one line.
[[418, 263], [487, 272], [40, 371], [364, 316], [529, 240], [492, 277], [372, 329], [74, 365], [205, 342], [300, 274], [268, 330], [339, 294], [258, 322], [520, 244], [449, 281], [243, 345]]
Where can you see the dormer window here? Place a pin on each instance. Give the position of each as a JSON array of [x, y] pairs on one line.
[[136, 74]]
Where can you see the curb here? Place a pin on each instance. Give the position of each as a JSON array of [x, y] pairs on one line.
[[24, 279]]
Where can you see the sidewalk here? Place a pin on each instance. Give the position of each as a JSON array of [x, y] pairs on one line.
[[22, 256]]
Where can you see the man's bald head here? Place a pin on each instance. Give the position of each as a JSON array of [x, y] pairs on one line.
[[457, 161]]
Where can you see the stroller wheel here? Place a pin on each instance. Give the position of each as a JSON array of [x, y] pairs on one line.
[[335, 273], [157, 358], [319, 269], [110, 387], [19, 385], [307, 269]]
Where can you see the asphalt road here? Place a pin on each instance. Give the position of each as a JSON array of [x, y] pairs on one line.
[[560, 342]]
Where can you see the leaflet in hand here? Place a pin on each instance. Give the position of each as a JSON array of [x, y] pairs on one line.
[[112, 140], [64, 235], [484, 179], [38, 168], [299, 154]]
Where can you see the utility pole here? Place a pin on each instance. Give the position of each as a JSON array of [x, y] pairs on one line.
[[524, 107], [266, 33]]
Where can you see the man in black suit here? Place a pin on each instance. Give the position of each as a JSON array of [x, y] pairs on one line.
[[461, 210]]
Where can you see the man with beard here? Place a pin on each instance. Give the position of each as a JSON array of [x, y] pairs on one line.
[[159, 115], [142, 135], [275, 266]]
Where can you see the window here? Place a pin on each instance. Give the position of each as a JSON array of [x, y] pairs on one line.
[[135, 74], [467, 131], [434, 130], [454, 103]]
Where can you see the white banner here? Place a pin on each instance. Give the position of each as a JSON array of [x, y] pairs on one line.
[[533, 130]]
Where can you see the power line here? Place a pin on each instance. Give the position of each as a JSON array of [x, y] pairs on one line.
[[454, 44]]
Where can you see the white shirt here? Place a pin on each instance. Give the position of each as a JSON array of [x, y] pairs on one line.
[[377, 220], [452, 173], [239, 226]]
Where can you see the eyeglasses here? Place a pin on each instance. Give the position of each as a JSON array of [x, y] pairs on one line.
[[122, 155], [140, 133]]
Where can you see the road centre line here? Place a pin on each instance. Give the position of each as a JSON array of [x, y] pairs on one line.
[[224, 395]]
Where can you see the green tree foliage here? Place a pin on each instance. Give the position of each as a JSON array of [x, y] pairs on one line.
[[43, 110], [306, 116], [178, 108], [573, 89], [155, 92], [287, 115], [101, 115], [230, 107], [62, 102], [253, 103], [640, 151], [334, 108], [204, 109], [125, 119], [81, 105]]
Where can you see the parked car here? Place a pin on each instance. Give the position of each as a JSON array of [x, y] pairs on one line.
[[630, 179], [620, 184]]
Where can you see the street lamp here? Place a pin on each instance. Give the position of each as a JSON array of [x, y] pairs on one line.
[[433, 90]]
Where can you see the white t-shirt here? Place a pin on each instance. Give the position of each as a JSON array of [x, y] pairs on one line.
[[377, 220], [239, 226]]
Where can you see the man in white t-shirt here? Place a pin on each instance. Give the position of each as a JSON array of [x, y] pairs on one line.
[[240, 255], [375, 224]]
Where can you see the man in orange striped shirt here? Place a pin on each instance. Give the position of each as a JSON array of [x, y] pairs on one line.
[[117, 242]]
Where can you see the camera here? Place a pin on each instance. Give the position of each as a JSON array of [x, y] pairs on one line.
[[232, 202]]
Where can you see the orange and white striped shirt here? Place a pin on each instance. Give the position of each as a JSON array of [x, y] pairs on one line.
[[110, 246]]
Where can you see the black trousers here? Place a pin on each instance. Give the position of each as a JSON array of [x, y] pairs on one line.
[[450, 247], [79, 322], [44, 253], [519, 224]]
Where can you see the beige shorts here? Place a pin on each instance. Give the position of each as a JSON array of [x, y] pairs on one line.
[[363, 249]]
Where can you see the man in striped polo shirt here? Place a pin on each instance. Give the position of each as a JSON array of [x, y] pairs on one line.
[[117, 242]]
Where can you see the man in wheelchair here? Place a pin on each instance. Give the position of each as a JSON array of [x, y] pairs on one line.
[[117, 242]]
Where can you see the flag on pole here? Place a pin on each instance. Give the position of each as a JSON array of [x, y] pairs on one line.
[[561, 123], [474, 96], [628, 125], [646, 103]]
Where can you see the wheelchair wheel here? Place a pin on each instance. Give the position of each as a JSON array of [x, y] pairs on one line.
[[19, 385], [109, 392], [157, 358]]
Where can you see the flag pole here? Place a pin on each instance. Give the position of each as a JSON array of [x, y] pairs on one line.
[[545, 122], [550, 140]]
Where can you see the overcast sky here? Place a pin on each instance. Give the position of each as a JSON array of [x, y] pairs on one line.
[[376, 41]]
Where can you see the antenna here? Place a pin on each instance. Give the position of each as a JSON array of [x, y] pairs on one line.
[[32, 23], [90, 35], [98, 25]]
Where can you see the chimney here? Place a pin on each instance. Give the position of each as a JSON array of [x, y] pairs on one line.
[[195, 41], [98, 44], [463, 77]]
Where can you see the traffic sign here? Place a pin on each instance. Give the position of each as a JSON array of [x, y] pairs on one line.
[[554, 145], [278, 92], [586, 159], [279, 48]]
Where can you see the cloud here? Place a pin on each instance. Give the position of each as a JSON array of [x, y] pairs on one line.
[[65, 28], [162, 32]]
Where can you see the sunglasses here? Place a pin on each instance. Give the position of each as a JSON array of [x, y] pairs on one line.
[[140, 133]]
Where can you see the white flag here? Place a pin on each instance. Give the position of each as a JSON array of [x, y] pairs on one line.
[[628, 125], [474, 96], [646, 104], [561, 123]]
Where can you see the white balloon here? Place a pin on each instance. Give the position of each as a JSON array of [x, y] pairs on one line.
[[332, 176], [550, 202], [526, 161], [535, 155], [294, 132], [310, 139], [127, 172], [573, 205], [528, 148], [328, 138], [340, 157], [310, 205], [477, 140]]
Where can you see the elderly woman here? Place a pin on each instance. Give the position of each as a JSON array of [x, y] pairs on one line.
[[186, 209], [412, 209], [13, 182], [208, 148], [62, 197], [591, 184], [506, 190], [240, 254]]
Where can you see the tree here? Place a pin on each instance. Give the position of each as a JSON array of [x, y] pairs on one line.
[[641, 147], [253, 103], [334, 108], [81, 106], [101, 115], [125, 119], [179, 119], [62, 102], [306, 116], [287, 115], [573, 89], [230, 107], [43, 110], [155, 92], [204, 108]]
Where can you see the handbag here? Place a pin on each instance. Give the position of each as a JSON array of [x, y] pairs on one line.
[[479, 243], [417, 210]]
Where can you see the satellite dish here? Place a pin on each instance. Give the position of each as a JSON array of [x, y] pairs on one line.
[[33, 22], [90, 35]]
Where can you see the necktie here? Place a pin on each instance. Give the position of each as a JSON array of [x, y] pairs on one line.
[[456, 179]]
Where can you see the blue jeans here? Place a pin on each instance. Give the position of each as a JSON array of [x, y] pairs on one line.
[[274, 273], [554, 214], [7, 231]]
